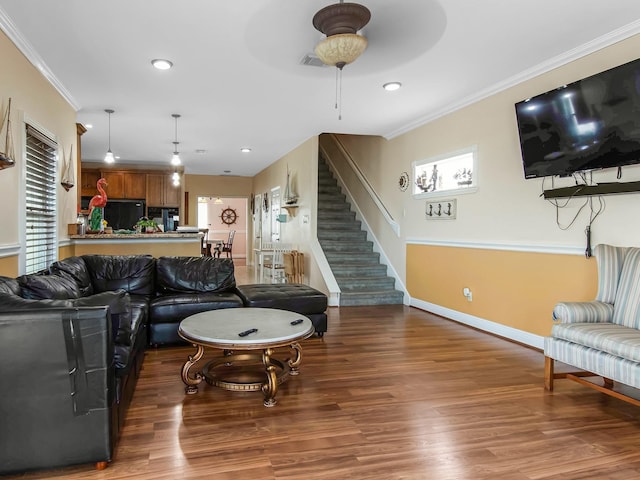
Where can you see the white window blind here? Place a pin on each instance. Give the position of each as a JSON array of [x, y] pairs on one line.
[[41, 247]]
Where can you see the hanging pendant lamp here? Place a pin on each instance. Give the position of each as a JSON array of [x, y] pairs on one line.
[[175, 159], [109, 158]]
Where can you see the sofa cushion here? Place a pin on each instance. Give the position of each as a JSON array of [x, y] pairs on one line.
[[40, 287], [294, 297], [626, 309], [608, 337], [194, 274], [76, 269], [9, 285], [177, 307], [120, 310], [132, 273]]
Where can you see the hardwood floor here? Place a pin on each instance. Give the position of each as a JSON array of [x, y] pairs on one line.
[[388, 393]]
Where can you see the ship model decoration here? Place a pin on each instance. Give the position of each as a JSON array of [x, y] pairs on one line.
[[7, 153], [290, 196], [68, 178]]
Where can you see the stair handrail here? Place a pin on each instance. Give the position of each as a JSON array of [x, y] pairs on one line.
[[395, 226]]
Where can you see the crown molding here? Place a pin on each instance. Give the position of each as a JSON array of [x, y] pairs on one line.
[[599, 43], [10, 29]]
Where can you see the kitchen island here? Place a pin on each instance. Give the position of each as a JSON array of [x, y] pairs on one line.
[[155, 244]]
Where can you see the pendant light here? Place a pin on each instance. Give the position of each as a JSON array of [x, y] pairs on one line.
[[108, 158], [175, 178], [175, 159]]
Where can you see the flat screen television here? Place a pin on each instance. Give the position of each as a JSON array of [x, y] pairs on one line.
[[590, 124]]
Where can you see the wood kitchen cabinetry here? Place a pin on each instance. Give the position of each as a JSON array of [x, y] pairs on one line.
[[156, 188], [161, 192], [88, 181], [130, 185]]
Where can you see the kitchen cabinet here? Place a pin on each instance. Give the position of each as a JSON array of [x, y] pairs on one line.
[[88, 181], [129, 185], [161, 192]]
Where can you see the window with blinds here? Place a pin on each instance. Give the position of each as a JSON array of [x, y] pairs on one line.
[[41, 246]]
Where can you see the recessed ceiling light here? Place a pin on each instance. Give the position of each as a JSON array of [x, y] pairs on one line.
[[88, 125], [201, 151], [161, 64], [245, 150], [392, 86]]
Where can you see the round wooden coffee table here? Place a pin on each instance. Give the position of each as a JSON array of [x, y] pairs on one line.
[[244, 329]]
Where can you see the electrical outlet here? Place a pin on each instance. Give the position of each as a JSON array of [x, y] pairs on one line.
[[466, 291], [441, 210]]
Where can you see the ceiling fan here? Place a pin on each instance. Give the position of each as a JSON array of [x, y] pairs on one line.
[[340, 22]]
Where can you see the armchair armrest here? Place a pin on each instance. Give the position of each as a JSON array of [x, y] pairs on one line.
[[583, 312]]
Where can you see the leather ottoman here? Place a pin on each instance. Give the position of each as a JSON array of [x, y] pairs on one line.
[[294, 297]]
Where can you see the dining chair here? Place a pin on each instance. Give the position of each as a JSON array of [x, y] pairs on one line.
[[227, 246], [205, 248]]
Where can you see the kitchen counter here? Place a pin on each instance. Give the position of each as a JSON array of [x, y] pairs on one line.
[[156, 244], [130, 236]]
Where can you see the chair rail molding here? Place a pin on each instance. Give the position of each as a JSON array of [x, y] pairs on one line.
[[554, 249], [9, 250]]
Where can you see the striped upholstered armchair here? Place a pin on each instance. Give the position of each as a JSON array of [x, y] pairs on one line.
[[601, 337]]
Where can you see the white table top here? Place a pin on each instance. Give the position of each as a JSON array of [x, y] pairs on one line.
[[220, 328]]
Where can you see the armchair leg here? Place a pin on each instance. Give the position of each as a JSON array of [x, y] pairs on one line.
[[101, 465], [548, 373]]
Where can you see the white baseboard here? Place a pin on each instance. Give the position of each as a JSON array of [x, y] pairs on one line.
[[510, 333]]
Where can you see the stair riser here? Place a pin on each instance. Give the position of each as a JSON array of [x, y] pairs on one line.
[[359, 283], [346, 247], [347, 300], [345, 271], [352, 258], [342, 236]]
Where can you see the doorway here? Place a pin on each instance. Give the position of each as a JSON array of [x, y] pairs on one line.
[[221, 215]]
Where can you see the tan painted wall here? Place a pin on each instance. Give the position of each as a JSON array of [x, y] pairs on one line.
[[34, 100], [516, 289], [214, 186], [303, 167]]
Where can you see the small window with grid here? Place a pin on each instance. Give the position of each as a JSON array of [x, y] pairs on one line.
[[40, 201]]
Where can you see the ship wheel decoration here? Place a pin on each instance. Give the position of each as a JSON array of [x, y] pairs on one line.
[[403, 181], [228, 216]]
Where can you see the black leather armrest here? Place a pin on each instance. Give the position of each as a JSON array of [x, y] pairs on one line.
[[57, 387]]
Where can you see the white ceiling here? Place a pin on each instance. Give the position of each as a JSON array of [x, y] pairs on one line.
[[237, 79]]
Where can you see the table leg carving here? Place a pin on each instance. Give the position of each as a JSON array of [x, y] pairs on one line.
[[294, 362], [271, 387], [192, 382]]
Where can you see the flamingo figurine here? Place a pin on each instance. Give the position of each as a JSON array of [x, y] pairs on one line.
[[96, 204]]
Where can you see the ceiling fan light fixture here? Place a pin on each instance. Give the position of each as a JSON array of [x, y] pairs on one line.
[[341, 18], [341, 49]]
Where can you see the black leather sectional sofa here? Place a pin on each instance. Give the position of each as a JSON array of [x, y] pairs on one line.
[[72, 344]]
